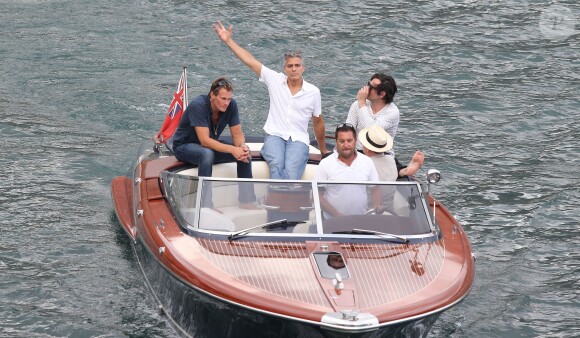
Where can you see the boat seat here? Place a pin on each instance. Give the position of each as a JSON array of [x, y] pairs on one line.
[[255, 149], [243, 218], [260, 171], [231, 219], [305, 228], [260, 168], [210, 219], [225, 193]]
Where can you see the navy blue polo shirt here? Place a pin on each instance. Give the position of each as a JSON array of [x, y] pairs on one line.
[[198, 114]]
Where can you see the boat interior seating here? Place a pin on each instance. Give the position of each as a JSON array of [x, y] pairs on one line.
[[225, 198], [260, 171], [233, 218]]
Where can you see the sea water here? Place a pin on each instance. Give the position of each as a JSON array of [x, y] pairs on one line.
[[487, 89]]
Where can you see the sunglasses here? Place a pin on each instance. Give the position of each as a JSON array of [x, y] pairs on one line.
[[345, 125], [371, 87], [221, 83]]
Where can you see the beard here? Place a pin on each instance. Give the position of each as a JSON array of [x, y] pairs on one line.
[[346, 153]]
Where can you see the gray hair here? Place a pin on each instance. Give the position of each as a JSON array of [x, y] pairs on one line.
[[293, 54]]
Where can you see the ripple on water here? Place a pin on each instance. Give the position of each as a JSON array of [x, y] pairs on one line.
[[489, 99]]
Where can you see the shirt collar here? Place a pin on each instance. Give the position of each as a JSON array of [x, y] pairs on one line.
[[340, 161], [285, 82]]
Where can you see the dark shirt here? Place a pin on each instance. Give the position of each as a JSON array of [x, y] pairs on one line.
[[198, 114], [399, 167]]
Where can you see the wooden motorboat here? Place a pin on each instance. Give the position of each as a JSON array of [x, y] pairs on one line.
[[283, 269]]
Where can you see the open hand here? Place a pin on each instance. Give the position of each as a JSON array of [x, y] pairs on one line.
[[416, 163], [223, 33]]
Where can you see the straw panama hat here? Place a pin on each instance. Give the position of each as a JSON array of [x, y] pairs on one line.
[[376, 139]]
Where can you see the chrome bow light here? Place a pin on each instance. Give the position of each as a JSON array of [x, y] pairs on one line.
[[433, 176]]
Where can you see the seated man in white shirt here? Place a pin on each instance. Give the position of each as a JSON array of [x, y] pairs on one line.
[[293, 102], [347, 164]]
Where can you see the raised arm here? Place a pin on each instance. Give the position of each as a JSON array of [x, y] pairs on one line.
[[414, 165], [226, 36]]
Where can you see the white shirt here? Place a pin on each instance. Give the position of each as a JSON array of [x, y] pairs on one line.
[[360, 118], [386, 167], [289, 115], [349, 199]]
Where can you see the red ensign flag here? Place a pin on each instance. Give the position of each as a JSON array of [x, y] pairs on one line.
[[176, 109]]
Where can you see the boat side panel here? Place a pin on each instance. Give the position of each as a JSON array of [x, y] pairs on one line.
[[153, 168], [457, 242], [122, 194]]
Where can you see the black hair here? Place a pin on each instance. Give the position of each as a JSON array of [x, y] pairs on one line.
[[344, 128], [388, 85]]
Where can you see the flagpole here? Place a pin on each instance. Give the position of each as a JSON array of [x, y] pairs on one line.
[[186, 99]]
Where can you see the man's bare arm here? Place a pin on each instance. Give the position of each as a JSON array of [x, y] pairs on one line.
[[319, 133], [414, 165], [246, 57]]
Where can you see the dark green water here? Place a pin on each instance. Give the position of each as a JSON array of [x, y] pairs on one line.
[[488, 89]]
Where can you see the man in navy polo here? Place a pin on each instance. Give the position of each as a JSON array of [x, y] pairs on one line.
[[196, 138]]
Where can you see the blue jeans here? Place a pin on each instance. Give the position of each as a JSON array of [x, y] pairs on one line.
[[205, 158], [287, 159]]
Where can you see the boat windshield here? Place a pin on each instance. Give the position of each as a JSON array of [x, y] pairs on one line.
[[239, 207]]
